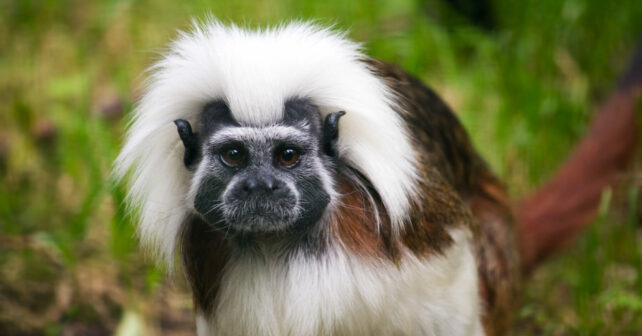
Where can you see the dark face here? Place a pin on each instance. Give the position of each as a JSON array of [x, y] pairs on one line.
[[261, 179]]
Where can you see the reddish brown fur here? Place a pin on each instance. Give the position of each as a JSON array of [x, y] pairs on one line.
[[355, 219], [354, 223], [550, 218]]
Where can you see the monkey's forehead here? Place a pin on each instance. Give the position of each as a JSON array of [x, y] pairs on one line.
[[262, 134]]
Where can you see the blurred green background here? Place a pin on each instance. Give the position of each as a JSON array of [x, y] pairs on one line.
[[71, 70]]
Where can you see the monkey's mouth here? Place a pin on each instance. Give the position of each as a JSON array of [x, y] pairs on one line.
[[253, 215], [260, 215]]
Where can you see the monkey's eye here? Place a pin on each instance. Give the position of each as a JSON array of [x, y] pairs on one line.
[[232, 157], [288, 157]]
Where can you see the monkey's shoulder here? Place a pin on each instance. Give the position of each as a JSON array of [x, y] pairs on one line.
[[442, 141]]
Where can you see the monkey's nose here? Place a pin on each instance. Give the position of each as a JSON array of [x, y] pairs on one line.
[[257, 186]]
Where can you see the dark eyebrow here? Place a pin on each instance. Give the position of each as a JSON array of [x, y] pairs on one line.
[[300, 111], [216, 115]]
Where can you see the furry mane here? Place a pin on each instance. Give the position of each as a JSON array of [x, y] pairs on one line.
[[255, 72]]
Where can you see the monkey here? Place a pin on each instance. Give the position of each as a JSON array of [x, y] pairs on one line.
[[312, 190]]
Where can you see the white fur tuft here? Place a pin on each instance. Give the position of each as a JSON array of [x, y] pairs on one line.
[[344, 294], [255, 72]]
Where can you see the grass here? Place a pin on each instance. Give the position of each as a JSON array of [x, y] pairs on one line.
[[69, 70]]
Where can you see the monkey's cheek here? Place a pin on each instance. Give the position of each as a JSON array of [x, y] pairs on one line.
[[207, 199]]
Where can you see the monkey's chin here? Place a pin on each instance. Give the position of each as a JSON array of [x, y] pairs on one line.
[[259, 224]]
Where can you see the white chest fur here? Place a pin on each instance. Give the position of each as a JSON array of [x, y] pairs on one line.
[[342, 294]]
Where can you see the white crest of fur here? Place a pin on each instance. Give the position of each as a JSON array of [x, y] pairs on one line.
[[255, 72], [343, 294]]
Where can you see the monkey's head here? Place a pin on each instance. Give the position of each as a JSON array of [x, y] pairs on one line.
[[261, 179], [273, 156]]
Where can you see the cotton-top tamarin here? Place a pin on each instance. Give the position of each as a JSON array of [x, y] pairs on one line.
[[313, 190]]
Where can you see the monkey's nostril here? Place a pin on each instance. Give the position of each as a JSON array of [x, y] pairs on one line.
[[250, 185], [272, 185]]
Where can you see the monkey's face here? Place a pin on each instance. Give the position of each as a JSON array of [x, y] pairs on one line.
[[261, 179]]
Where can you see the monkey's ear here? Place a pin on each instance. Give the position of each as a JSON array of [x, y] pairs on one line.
[[331, 133], [190, 141]]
